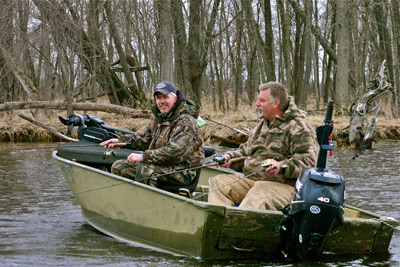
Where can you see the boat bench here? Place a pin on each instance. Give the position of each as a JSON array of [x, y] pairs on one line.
[[351, 213]]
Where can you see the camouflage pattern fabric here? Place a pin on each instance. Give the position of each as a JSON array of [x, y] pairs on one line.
[[152, 174], [289, 138], [169, 143]]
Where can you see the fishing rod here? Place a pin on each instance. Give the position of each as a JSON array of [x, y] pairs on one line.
[[217, 161], [87, 145]]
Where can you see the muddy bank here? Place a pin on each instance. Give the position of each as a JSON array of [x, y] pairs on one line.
[[15, 129]]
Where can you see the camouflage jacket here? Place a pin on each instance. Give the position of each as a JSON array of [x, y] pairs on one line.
[[289, 138], [172, 140]]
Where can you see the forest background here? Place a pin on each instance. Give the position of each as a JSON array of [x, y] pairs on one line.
[[217, 52]]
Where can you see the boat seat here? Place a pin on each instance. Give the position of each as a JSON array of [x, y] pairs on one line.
[[184, 190]]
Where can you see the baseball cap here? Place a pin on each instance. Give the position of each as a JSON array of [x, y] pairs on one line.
[[164, 88]]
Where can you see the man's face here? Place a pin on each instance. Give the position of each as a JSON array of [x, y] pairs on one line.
[[266, 109], [165, 102]]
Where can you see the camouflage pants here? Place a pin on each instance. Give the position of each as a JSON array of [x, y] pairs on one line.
[[153, 174]]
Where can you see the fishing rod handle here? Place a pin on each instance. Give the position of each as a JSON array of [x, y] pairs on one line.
[[121, 144], [219, 161], [238, 159]]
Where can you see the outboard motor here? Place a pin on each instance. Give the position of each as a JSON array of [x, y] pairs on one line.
[[318, 204], [91, 128]]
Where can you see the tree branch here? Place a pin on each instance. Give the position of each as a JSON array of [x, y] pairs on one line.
[[77, 106], [316, 32], [220, 123], [48, 128]]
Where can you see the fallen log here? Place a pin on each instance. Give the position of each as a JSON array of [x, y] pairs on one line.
[[359, 135], [48, 129], [226, 142], [110, 108], [132, 69]]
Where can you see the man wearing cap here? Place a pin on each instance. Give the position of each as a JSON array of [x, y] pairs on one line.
[[171, 142], [285, 139]]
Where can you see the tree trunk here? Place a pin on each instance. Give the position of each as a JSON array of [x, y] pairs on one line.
[[199, 44], [316, 64], [307, 56], [219, 85], [165, 40], [251, 83], [261, 45], [23, 12], [385, 44], [317, 34], [328, 73], [269, 41], [180, 46], [286, 45], [237, 57], [25, 81], [298, 69], [7, 80], [135, 92], [396, 35], [342, 75]]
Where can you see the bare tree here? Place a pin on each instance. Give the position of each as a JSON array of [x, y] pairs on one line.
[[342, 94], [385, 43], [165, 40], [255, 34]]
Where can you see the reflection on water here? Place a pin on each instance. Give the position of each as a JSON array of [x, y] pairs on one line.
[[41, 223]]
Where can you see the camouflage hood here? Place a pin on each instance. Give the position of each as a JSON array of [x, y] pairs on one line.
[[291, 112]]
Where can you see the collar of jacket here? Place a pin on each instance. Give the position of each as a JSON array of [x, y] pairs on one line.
[[175, 111], [291, 112]]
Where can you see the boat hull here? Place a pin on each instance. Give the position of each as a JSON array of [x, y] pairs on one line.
[[151, 217]]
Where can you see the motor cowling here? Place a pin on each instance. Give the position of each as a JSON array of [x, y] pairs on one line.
[[317, 208]]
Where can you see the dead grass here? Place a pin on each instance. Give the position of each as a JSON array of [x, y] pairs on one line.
[[15, 129]]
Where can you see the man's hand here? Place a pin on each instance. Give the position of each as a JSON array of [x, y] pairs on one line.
[[109, 143], [134, 158], [273, 168], [228, 161]]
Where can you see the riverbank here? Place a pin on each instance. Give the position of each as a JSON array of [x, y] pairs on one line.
[[15, 129]]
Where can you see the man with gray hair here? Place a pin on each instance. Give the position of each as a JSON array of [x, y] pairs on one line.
[[171, 142], [285, 139]]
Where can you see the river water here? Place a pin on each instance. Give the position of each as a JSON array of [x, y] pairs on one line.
[[41, 223]]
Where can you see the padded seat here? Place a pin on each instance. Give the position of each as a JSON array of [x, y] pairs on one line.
[[175, 188]]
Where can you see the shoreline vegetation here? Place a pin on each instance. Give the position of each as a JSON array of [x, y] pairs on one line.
[[15, 129]]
